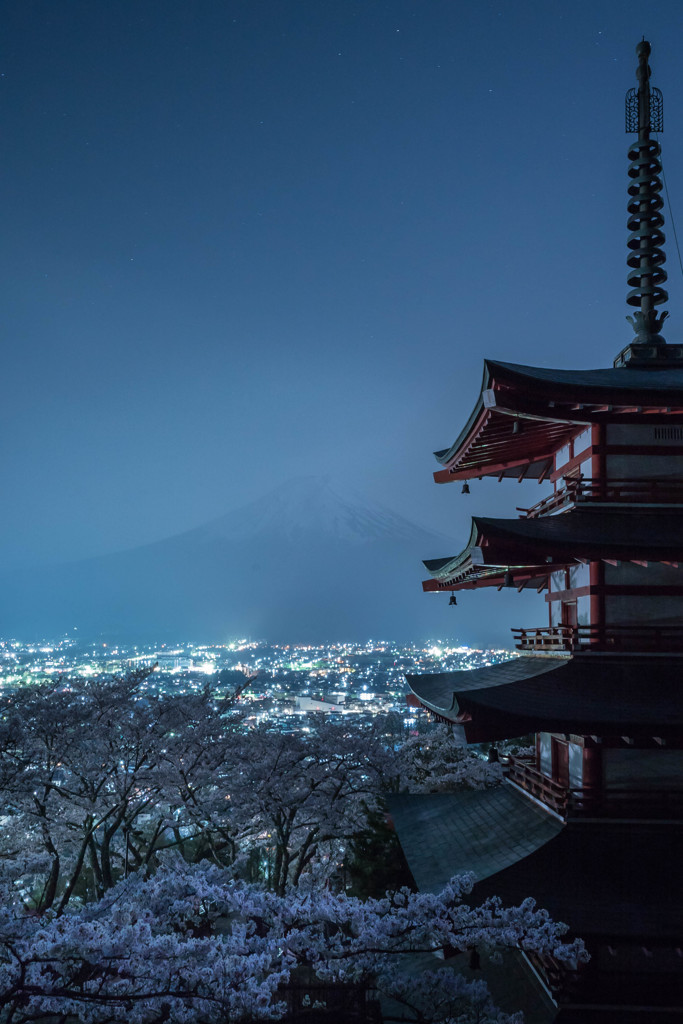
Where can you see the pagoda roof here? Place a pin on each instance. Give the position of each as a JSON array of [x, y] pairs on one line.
[[590, 694], [472, 830], [550, 406], [517, 850], [615, 879], [532, 548]]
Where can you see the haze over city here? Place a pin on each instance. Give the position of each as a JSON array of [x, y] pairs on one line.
[[253, 244]]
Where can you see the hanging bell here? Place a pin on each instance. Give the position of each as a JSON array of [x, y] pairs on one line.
[[465, 488], [452, 599], [508, 581]]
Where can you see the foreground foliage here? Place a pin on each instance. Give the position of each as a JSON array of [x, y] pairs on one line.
[[96, 778], [159, 861], [191, 944]]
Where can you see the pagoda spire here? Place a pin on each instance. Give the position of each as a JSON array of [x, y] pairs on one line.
[[646, 256]]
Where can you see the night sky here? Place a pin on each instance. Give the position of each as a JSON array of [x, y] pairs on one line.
[[246, 241]]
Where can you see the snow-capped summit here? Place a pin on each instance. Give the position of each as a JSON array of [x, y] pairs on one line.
[[305, 562], [311, 506]]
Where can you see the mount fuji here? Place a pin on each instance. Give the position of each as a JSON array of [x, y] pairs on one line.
[[303, 563]]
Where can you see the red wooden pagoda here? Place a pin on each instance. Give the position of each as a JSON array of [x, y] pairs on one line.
[[600, 682]]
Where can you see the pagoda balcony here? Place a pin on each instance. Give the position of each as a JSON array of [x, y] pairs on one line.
[[593, 639], [570, 802], [645, 492], [522, 773]]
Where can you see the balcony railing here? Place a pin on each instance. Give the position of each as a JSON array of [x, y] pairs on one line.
[[625, 492], [595, 639], [549, 792], [653, 804]]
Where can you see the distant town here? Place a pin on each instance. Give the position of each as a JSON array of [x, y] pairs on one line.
[[284, 683]]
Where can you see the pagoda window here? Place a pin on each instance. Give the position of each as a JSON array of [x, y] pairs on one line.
[[636, 451], [668, 433]]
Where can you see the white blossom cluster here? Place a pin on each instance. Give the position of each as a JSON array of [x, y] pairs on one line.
[[436, 763], [96, 779], [189, 943], [159, 862]]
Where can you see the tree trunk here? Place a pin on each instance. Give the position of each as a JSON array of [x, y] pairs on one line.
[[50, 890], [105, 852], [78, 867], [306, 854], [96, 869]]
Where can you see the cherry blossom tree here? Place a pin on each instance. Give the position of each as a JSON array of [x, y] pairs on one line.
[[129, 822], [96, 775], [306, 794], [99, 777], [437, 762], [190, 943]]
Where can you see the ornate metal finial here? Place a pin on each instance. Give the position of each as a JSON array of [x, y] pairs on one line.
[[644, 113]]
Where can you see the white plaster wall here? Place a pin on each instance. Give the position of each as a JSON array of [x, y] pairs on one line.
[[575, 766], [583, 610], [579, 575], [625, 768], [661, 467], [643, 433], [546, 757], [582, 441], [556, 581], [562, 457], [664, 467], [622, 610], [651, 575]]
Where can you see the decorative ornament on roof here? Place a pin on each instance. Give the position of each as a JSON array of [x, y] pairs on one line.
[[644, 114]]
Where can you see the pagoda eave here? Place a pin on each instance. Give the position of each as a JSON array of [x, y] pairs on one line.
[[520, 469], [523, 414], [532, 548], [475, 577], [599, 694]]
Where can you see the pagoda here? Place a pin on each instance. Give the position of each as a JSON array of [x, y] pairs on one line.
[[591, 825]]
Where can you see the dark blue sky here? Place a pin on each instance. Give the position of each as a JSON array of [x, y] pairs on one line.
[[245, 241]]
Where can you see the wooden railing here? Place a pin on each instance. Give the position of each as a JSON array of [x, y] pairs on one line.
[[594, 639], [564, 496], [549, 792], [579, 802], [576, 490]]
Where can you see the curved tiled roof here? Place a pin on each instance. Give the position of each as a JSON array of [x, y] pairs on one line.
[[554, 405], [439, 690], [616, 880], [578, 533], [446, 834], [624, 379], [588, 694]]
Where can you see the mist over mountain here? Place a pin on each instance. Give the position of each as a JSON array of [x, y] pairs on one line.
[[303, 563]]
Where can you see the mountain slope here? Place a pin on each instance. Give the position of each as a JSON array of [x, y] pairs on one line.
[[301, 564]]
